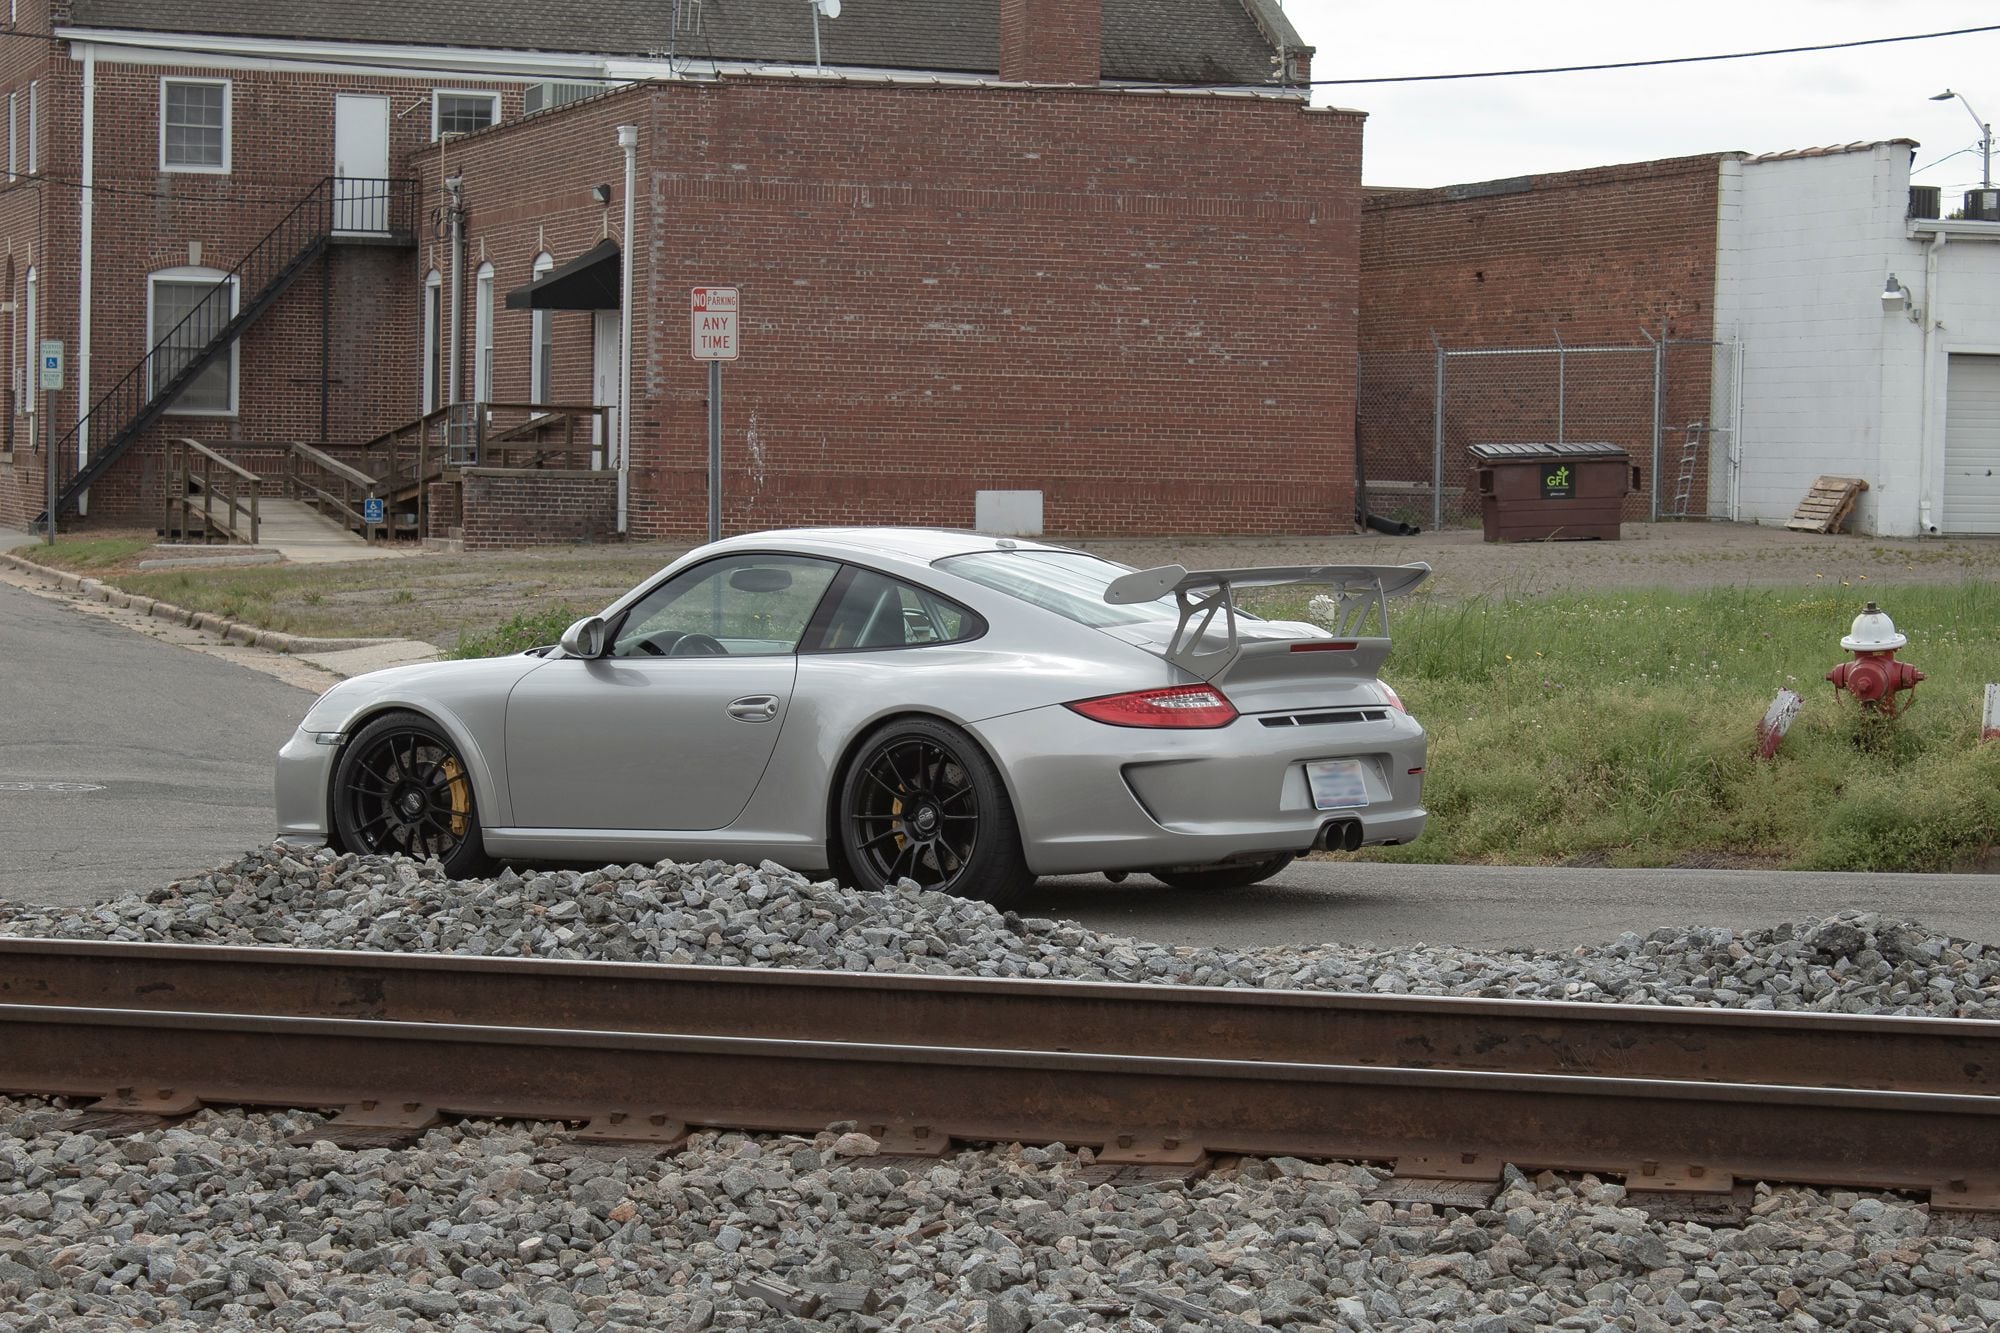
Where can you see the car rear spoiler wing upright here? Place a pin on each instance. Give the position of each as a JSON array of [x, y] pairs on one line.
[[1360, 592]]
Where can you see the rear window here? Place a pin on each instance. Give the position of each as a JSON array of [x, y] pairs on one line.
[[1069, 583]]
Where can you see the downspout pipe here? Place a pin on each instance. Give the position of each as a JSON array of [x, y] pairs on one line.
[[628, 142], [1926, 448], [455, 187], [85, 257]]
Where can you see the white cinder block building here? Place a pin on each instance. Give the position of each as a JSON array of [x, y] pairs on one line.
[[1839, 374]]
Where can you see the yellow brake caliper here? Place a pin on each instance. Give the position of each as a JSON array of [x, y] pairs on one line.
[[461, 796]]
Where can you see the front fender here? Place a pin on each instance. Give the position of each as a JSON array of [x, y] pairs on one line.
[[466, 700]]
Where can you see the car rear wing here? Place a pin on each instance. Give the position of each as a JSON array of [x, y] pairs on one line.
[[1360, 601]]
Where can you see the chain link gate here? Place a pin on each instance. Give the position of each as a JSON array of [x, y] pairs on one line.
[[1671, 403]]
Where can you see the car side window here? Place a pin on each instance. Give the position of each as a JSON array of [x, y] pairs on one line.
[[876, 611], [737, 606]]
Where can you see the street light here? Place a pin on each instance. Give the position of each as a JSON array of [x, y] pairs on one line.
[[1985, 136]]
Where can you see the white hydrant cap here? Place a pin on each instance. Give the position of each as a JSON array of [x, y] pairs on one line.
[[1873, 632]]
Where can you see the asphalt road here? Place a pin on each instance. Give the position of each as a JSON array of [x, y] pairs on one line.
[[169, 751], [1506, 907], [166, 755]]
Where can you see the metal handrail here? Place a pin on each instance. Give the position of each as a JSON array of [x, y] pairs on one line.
[[333, 206], [192, 465]]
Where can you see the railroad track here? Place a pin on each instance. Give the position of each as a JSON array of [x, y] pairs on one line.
[[1675, 1101]]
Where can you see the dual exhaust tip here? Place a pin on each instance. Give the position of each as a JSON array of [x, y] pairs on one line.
[[1339, 835]]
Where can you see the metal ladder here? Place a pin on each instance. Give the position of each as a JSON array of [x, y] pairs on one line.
[[1690, 459]]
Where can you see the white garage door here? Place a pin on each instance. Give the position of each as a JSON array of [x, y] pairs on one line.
[[1972, 445]]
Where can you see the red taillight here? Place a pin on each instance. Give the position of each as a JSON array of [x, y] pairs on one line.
[[1326, 646], [1183, 706], [1391, 698]]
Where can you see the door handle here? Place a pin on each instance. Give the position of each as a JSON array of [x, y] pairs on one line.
[[754, 708]]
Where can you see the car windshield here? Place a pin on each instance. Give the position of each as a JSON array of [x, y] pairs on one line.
[[1069, 583]]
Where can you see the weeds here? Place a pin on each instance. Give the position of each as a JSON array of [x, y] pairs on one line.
[[526, 629], [1619, 728]]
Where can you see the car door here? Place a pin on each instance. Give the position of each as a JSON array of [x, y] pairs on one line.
[[671, 729]]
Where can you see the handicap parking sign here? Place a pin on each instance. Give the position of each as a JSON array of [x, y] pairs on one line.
[[371, 509]]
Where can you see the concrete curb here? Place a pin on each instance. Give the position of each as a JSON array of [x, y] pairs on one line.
[[250, 636]]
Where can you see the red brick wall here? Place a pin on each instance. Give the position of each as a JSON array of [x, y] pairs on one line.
[[506, 507], [1051, 41], [29, 210], [443, 510], [1593, 255], [1142, 306], [146, 219], [1605, 256]]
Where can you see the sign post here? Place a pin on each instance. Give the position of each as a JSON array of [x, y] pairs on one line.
[[714, 337], [51, 384]]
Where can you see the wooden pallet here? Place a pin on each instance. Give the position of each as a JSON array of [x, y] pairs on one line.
[[1827, 504]]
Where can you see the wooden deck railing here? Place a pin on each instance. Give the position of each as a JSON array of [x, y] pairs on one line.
[[208, 492], [333, 488]]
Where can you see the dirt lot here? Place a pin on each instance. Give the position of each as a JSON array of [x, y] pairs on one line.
[[437, 596], [1681, 556]]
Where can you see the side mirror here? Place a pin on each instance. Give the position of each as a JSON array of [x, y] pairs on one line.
[[585, 638]]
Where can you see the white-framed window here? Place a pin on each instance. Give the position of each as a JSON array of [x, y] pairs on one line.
[[541, 343], [482, 335], [34, 128], [194, 125], [186, 310], [461, 111], [13, 137], [31, 349], [433, 341]]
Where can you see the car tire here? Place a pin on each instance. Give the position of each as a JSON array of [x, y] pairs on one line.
[[400, 788], [921, 801], [1224, 877]]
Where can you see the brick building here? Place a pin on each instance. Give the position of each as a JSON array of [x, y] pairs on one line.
[[1726, 307], [1094, 269], [1613, 258]]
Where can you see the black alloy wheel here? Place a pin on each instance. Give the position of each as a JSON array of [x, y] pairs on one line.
[[920, 801], [1224, 877], [400, 789]]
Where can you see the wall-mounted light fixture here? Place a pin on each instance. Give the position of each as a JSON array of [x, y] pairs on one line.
[[601, 193], [1895, 296]]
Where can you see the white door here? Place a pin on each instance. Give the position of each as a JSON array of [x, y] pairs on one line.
[[1972, 445], [360, 164], [604, 384]]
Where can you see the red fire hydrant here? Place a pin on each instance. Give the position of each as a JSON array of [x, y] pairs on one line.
[[1875, 677]]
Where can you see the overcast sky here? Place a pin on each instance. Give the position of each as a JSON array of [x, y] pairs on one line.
[[1483, 129]]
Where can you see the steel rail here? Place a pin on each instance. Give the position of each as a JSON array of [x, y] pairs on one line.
[[1443, 1086]]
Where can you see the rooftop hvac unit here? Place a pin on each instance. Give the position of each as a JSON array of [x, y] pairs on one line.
[[549, 96], [1925, 201], [1982, 205]]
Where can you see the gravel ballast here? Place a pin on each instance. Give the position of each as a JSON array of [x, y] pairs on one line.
[[220, 1221]]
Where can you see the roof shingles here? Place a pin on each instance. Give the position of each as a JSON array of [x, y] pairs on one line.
[[1162, 41]]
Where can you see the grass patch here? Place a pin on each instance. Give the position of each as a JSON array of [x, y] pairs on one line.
[[91, 554], [525, 629], [434, 597], [1618, 729]]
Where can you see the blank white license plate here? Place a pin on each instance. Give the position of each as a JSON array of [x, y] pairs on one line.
[[1337, 784]]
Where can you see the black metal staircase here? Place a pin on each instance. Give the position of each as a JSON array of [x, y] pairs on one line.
[[336, 210]]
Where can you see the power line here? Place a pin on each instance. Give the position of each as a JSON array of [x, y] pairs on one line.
[[412, 67], [1651, 64], [1946, 158]]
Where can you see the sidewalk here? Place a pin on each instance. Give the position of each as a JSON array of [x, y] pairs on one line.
[[205, 632]]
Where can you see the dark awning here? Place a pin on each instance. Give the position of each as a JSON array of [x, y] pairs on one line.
[[588, 282]]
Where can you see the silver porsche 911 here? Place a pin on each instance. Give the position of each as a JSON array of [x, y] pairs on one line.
[[886, 704]]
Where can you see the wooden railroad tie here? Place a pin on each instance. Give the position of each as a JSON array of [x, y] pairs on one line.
[[1827, 504]]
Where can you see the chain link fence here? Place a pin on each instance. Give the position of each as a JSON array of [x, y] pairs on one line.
[[1670, 403]]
